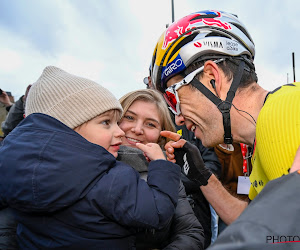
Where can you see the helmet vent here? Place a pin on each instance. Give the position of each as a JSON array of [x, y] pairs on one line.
[[243, 30]]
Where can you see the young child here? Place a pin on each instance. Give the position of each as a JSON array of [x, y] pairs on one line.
[[59, 174]]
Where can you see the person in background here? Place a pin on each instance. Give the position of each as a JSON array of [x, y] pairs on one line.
[[59, 174], [236, 164], [4, 99], [145, 116], [147, 81], [15, 114]]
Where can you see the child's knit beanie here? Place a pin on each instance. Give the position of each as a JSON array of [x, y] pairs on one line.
[[70, 99]]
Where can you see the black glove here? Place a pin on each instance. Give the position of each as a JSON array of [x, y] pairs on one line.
[[189, 159]]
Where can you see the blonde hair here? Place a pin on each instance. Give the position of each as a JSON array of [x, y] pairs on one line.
[[152, 96]]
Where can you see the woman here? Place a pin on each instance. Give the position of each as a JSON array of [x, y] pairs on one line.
[[145, 116]]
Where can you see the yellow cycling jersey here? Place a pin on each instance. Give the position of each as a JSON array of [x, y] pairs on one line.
[[277, 136]]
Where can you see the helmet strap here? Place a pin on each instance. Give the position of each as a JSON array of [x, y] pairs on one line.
[[223, 106]]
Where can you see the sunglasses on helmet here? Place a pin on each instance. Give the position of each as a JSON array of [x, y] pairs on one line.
[[171, 95]]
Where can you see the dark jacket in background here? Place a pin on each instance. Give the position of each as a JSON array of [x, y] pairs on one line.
[[8, 228], [183, 231], [197, 200], [14, 117], [68, 193]]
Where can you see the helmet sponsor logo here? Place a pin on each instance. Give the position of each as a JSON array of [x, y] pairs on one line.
[[173, 66], [198, 44], [217, 44], [213, 44], [211, 18], [232, 45]]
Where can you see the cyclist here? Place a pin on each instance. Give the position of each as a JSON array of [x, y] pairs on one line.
[[203, 65]]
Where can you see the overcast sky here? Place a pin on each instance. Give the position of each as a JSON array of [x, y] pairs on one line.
[[112, 41]]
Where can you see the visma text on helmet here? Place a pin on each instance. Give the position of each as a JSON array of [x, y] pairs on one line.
[[216, 44], [173, 66]]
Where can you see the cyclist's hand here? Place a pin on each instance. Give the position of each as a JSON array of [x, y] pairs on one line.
[[189, 159], [175, 142]]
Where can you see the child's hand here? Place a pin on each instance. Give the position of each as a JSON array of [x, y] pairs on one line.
[[152, 151], [175, 143]]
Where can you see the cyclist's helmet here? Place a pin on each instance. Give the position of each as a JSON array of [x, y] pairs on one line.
[[199, 35]]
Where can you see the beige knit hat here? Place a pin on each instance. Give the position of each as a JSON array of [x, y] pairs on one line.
[[70, 99]]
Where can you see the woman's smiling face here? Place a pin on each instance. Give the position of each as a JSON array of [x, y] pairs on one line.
[[141, 123]]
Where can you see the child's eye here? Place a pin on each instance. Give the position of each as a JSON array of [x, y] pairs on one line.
[[106, 122]]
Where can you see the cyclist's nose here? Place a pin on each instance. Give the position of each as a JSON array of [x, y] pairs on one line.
[[179, 120]]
